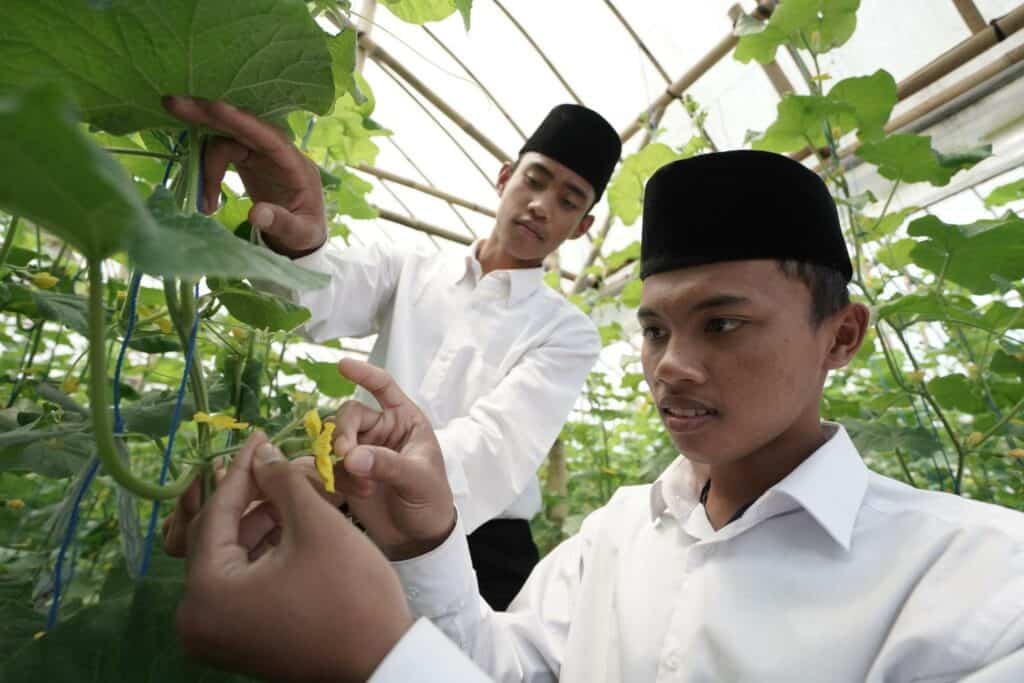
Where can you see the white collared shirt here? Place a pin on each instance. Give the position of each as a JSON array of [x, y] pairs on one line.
[[834, 574], [495, 361]]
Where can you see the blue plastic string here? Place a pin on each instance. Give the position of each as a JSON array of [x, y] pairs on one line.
[[69, 533]]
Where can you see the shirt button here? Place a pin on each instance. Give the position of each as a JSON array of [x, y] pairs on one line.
[[672, 662]]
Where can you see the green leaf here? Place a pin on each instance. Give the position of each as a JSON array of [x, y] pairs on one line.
[[625, 192], [801, 118], [1000, 317], [1005, 364], [617, 259], [904, 311], [872, 98], [896, 255], [422, 11], [911, 159], [328, 380], [957, 393], [876, 229], [266, 56], [53, 453], [67, 309], [819, 25], [970, 255], [262, 310], [348, 196], [154, 412], [55, 175], [1004, 194], [343, 64], [464, 7], [196, 245]]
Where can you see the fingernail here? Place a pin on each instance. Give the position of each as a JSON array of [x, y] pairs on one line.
[[262, 217], [359, 461], [267, 453]]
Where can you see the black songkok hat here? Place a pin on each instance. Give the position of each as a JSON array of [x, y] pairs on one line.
[[739, 205], [580, 139]]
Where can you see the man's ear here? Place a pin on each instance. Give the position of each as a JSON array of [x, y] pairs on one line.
[[582, 227], [504, 175], [848, 329]]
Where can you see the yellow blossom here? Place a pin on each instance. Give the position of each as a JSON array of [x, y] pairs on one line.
[[39, 634], [239, 333], [122, 295], [16, 503], [43, 280], [69, 385], [311, 420], [974, 439], [1016, 453], [915, 376], [219, 421], [322, 456], [165, 325]]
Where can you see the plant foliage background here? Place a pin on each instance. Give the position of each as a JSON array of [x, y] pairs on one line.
[[102, 251]]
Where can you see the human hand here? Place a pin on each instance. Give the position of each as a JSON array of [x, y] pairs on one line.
[[392, 473], [284, 184], [322, 604]]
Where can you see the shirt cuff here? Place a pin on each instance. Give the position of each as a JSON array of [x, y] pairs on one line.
[[315, 260], [442, 582], [425, 654]]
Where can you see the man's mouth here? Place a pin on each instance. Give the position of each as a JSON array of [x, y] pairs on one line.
[[531, 229], [684, 416]]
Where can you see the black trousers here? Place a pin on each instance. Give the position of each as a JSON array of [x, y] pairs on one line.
[[503, 555]]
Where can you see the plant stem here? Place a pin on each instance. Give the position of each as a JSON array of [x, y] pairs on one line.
[[139, 153], [12, 230], [101, 421]]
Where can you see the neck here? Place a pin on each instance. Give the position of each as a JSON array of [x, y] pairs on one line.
[[492, 257], [734, 484]]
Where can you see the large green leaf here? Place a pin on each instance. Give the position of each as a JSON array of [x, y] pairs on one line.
[[67, 309], [1004, 194], [55, 175], [625, 192], [819, 25], [911, 159], [55, 453], [903, 311], [1005, 364], [422, 11], [872, 98], [801, 120], [154, 413], [196, 245], [266, 56], [343, 64], [262, 310], [328, 380], [957, 393], [970, 255]]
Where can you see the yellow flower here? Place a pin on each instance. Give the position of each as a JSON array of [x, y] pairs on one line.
[[239, 333], [974, 439], [915, 376], [16, 503], [39, 634], [43, 280], [69, 385], [311, 420], [165, 325], [320, 434], [219, 422], [1016, 453], [122, 295]]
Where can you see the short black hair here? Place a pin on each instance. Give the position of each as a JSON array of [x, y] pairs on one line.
[[829, 292]]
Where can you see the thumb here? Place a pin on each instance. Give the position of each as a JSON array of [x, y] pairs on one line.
[[284, 228], [377, 463]]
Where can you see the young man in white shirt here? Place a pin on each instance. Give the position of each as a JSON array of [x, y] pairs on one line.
[[493, 357], [768, 552]]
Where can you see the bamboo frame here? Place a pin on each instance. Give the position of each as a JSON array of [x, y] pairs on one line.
[[425, 189], [540, 52], [640, 43], [483, 88], [971, 15], [365, 25], [691, 76]]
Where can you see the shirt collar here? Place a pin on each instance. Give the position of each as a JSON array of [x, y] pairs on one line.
[[520, 282], [829, 485]]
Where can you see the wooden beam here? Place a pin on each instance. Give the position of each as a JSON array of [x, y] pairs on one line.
[[425, 189], [366, 14], [971, 15], [639, 42]]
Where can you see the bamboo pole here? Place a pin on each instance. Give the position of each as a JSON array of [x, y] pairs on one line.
[[949, 61], [692, 75], [640, 43], [483, 88], [365, 24], [540, 52], [382, 56], [425, 189], [971, 15]]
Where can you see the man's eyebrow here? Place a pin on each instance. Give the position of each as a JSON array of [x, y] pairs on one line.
[[576, 189], [538, 167], [644, 312], [720, 300]]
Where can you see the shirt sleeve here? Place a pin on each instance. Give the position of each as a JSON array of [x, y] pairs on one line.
[[425, 654], [363, 282], [492, 453], [524, 644]]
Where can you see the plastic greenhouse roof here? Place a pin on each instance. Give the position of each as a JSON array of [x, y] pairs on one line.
[[608, 71]]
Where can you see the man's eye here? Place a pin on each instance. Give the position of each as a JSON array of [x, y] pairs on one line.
[[719, 325], [571, 206], [533, 183], [651, 332]]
